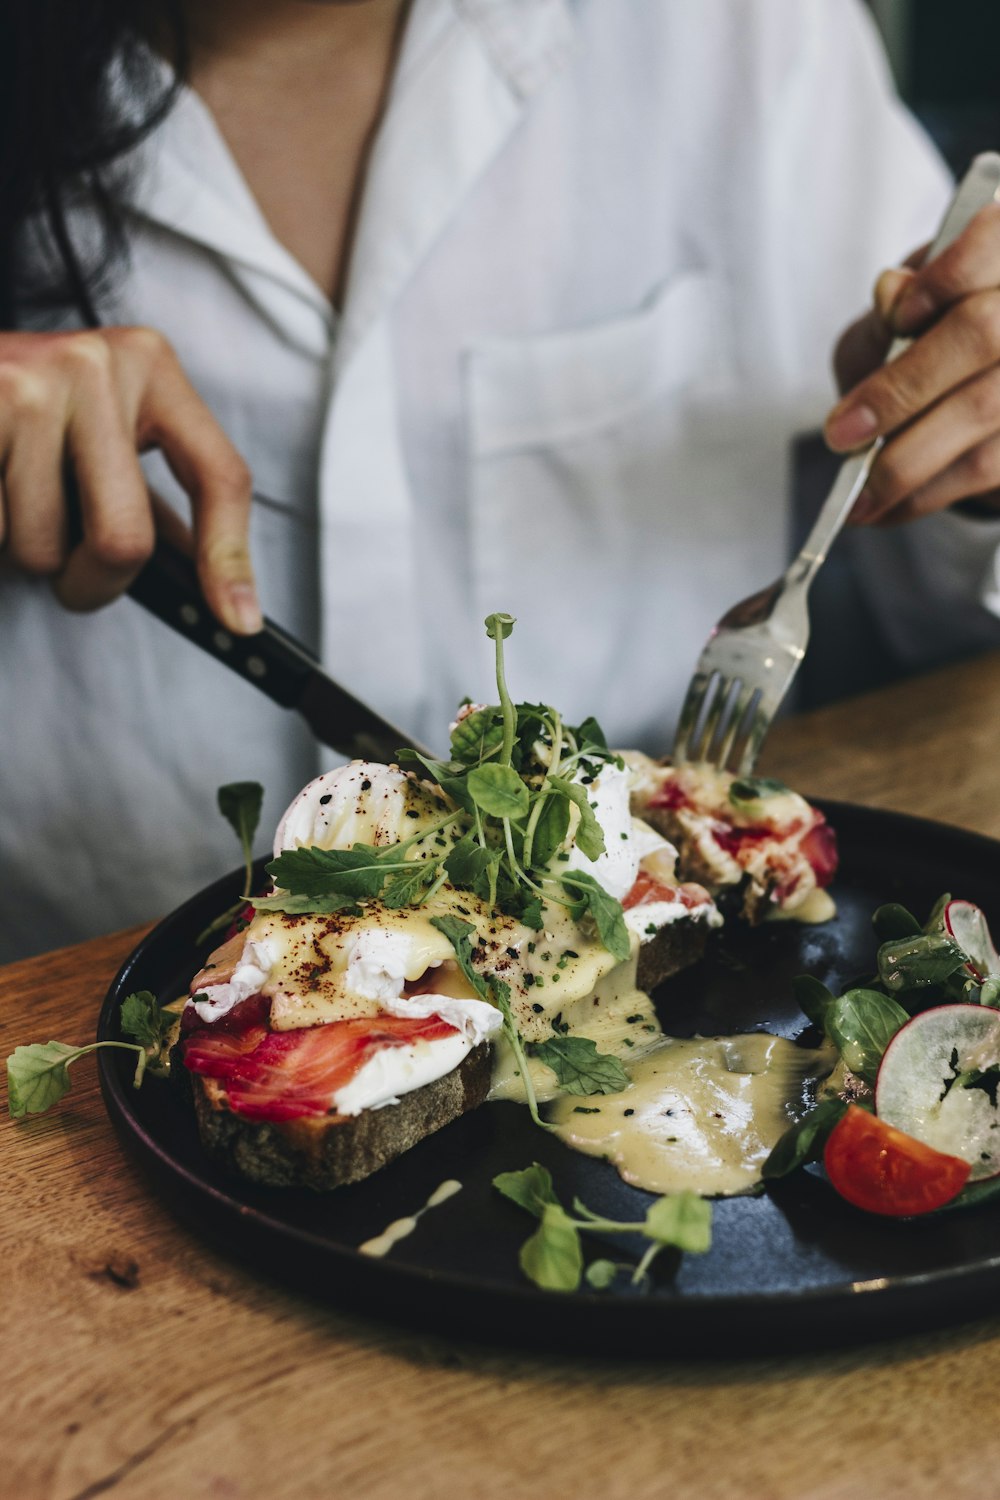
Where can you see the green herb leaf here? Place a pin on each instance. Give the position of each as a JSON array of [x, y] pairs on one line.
[[240, 804], [989, 992], [589, 836], [600, 1274], [532, 913], [460, 935], [683, 1220], [579, 1067], [920, 962], [530, 1188], [812, 997], [297, 906], [551, 828], [449, 775], [894, 921], [861, 1024], [143, 1019], [606, 912], [552, 1258], [499, 626], [590, 736], [753, 788], [406, 887], [38, 1074], [358, 873], [804, 1141], [498, 791], [478, 736]]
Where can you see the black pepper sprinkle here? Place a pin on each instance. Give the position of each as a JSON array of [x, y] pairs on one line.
[[529, 980], [411, 812], [538, 1008], [324, 800], [511, 952], [631, 1020], [581, 1109], [630, 1111], [366, 785]]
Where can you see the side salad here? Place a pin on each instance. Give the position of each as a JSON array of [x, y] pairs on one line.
[[909, 1120]]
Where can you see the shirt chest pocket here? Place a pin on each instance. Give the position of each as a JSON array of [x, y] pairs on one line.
[[595, 472]]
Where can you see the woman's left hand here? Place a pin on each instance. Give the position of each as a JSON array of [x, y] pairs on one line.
[[938, 405]]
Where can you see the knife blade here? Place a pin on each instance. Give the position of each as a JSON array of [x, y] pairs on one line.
[[273, 661]]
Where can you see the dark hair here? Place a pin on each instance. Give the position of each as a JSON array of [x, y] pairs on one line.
[[79, 88]]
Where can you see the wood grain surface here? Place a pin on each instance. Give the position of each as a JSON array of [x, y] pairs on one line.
[[141, 1363]]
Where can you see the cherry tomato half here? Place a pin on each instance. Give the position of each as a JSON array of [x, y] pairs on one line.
[[878, 1168]]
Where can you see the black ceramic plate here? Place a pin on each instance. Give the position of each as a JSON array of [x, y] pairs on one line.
[[794, 1268]]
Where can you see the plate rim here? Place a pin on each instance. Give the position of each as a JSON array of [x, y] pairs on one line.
[[405, 1277]]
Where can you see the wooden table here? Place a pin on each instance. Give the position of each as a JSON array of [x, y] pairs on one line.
[[139, 1363]]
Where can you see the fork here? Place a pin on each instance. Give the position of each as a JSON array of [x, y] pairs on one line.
[[755, 650]]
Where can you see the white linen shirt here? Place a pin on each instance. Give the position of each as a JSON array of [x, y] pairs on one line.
[[603, 253]]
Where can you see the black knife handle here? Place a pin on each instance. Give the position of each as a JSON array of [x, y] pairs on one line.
[[274, 662]]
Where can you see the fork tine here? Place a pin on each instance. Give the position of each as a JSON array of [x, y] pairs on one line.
[[759, 725], [699, 694], [743, 706], [714, 716]]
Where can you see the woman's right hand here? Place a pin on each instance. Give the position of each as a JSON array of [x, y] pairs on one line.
[[93, 401]]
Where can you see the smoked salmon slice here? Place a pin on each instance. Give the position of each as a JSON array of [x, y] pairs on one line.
[[286, 1075]]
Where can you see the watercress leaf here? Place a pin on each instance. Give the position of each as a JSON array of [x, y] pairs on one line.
[[606, 912], [407, 886], [551, 829], [552, 1258], [468, 860], [38, 1076], [143, 1019], [478, 736], [600, 1274], [861, 1024], [358, 873], [753, 788], [298, 905], [499, 624], [804, 1141], [579, 1067], [812, 997], [240, 804], [894, 921], [449, 775], [589, 836], [532, 913], [460, 935], [590, 736], [498, 791], [920, 962], [530, 1188], [681, 1219]]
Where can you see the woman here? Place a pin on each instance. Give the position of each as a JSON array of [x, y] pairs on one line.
[[502, 305]]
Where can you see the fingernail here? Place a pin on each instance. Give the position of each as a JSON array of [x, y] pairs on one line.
[[863, 509], [850, 426], [243, 608], [913, 310]]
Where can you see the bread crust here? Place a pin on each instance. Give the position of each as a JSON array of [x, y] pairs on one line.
[[332, 1150], [675, 947]]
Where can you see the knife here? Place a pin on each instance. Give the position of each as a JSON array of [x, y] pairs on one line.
[[272, 660]]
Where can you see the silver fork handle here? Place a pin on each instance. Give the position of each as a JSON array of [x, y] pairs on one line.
[[979, 186]]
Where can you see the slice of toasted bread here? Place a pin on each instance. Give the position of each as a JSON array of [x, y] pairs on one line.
[[671, 949], [328, 1151]]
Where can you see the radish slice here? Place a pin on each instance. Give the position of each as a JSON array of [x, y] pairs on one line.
[[917, 1089], [970, 929]]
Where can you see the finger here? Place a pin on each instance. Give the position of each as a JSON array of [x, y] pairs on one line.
[[176, 420], [956, 427], [170, 525], [970, 264], [115, 508], [975, 473], [964, 342], [864, 345], [36, 539]]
